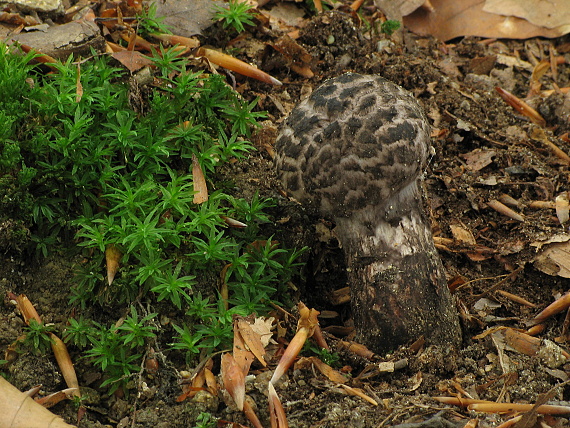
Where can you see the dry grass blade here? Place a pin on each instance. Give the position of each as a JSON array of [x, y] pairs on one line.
[[539, 135]]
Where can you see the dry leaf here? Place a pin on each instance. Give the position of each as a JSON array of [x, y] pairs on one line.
[[332, 374], [537, 12], [233, 379], [264, 328], [242, 356], [462, 235], [450, 19], [186, 17], [26, 308], [554, 260], [21, 411], [64, 362], [562, 207], [479, 158], [78, 85], [112, 257], [133, 60], [251, 339]]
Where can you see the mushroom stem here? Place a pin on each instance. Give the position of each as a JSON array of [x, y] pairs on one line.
[[398, 286]]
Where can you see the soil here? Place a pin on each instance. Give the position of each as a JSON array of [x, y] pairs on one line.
[[455, 82]]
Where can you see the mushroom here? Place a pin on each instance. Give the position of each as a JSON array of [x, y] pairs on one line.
[[355, 151]]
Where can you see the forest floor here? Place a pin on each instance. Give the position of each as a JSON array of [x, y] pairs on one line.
[[484, 150]]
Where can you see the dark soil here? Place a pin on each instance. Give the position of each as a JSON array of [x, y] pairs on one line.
[[455, 83]]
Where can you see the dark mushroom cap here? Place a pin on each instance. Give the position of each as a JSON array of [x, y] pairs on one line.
[[357, 141]]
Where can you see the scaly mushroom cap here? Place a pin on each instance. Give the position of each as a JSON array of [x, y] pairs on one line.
[[355, 142]]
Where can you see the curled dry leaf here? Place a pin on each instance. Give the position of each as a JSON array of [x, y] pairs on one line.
[[276, 412], [554, 259], [55, 398], [506, 211], [242, 355], [522, 107], [64, 362], [21, 411], [233, 379], [236, 65], [112, 257], [305, 329], [198, 180], [26, 308], [562, 207], [493, 407]]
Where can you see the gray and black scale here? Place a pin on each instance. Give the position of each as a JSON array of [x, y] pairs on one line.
[[355, 150]]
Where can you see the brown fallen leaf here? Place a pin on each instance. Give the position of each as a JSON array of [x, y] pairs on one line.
[[132, 60], [251, 339], [233, 379], [57, 397], [554, 259], [20, 411], [450, 19], [236, 65], [478, 159], [462, 235], [537, 12]]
